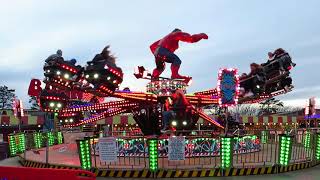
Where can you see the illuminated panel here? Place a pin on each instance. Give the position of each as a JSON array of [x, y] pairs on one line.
[[37, 138], [95, 118], [202, 99], [307, 140], [50, 138], [211, 92], [21, 108], [59, 137], [318, 147], [136, 96], [226, 149], [264, 137], [165, 87], [12, 145], [114, 104], [21, 146], [285, 149], [228, 87], [153, 154], [84, 154]]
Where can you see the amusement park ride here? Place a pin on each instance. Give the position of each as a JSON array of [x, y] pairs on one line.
[[77, 94]]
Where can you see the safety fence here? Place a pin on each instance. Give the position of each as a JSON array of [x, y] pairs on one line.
[[260, 152], [259, 149], [31, 140]]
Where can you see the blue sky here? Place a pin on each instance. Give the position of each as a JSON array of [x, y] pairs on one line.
[[240, 32]]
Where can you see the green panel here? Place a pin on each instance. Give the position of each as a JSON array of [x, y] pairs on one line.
[[131, 120], [153, 154], [21, 145], [50, 138], [318, 147], [38, 140], [116, 119], [14, 120], [306, 142], [264, 137], [285, 149], [226, 152], [85, 154], [12, 145], [32, 120], [59, 137]]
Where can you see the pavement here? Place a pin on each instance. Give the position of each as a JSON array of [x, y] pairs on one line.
[[11, 162]]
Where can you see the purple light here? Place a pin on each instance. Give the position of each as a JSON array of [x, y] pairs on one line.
[[316, 116]]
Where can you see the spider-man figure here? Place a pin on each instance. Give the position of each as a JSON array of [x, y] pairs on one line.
[[163, 51]]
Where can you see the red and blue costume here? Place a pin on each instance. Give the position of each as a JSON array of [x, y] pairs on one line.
[[163, 50]]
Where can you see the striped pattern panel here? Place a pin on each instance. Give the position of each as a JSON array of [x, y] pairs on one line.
[[181, 173], [26, 120], [119, 119], [10, 119], [268, 119], [34, 164], [128, 119]]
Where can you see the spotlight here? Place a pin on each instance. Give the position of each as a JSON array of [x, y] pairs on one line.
[[87, 76], [59, 105], [96, 76], [174, 123], [184, 123], [58, 72], [71, 120], [51, 104], [66, 120], [66, 76]]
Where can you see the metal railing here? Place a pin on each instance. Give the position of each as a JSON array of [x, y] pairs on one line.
[[259, 148]]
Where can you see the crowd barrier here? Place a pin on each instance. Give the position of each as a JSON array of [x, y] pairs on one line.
[[22, 141], [205, 154]]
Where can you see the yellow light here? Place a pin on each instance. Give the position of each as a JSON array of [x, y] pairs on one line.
[[66, 76], [174, 123], [51, 104]]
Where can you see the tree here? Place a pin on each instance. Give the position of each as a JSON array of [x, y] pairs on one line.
[[34, 103], [290, 110], [6, 97], [270, 106], [245, 109]]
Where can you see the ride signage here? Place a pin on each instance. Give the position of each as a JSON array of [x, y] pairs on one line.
[[176, 148], [228, 87], [108, 149]]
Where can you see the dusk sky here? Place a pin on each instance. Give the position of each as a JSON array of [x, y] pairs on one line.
[[240, 32]]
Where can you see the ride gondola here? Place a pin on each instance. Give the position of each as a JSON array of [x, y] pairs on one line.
[[273, 76]]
